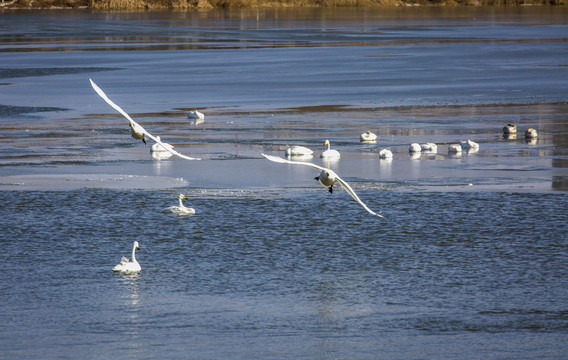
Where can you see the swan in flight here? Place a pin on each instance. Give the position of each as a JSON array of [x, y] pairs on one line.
[[531, 133], [181, 209], [127, 266], [327, 178], [330, 153], [300, 151], [368, 137], [136, 130]]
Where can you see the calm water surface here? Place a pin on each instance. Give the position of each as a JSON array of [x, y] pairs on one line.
[[470, 262]]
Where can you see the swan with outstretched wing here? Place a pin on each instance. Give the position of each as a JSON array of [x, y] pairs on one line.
[[136, 130], [327, 178]]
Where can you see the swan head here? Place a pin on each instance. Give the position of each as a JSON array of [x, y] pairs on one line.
[[326, 142], [136, 245], [182, 196]]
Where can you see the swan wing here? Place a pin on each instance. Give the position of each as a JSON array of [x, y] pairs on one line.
[[284, 161], [119, 109], [354, 195], [343, 183]]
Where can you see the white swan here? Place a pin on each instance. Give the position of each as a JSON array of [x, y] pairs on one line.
[[510, 129], [454, 148], [161, 147], [330, 153], [196, 115], [136, 130], [127, 266], [531, 133], [181, 209], [368, 137], [415, 147], [429, 147], [300, 151], [160, 152], [468, 144], [327, 178], [385, 154]]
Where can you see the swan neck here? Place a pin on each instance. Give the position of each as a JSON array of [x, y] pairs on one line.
[[180, 202], [134, 254], [328, 145]]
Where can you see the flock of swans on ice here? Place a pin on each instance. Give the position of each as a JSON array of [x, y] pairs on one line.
[[326, 177]]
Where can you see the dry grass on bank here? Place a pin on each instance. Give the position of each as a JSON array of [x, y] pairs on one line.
[[243, 4]]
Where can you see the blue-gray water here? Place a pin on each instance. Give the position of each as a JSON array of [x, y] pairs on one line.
[[470, 261]]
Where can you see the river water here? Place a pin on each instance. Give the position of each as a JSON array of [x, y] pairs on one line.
[[470, 260]]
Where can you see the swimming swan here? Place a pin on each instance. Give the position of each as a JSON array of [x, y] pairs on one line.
[[181, 209], [299, 151], [136, 130], [510, 129], [330, 153], [327, 178], [531, 133], [368, 137], [126, 266]]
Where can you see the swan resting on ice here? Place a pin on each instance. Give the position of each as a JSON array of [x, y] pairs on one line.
[[385, 154], [136, 130], [300, 151], [195, 115], [368, 137], [326, 177], [160, 152], [429, 147], [127, 266], [330, 153], [454, 148], [161, 147], [468, 144], [181, 209], [415, 147]]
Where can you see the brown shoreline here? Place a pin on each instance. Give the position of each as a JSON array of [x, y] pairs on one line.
[[189, 5]]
